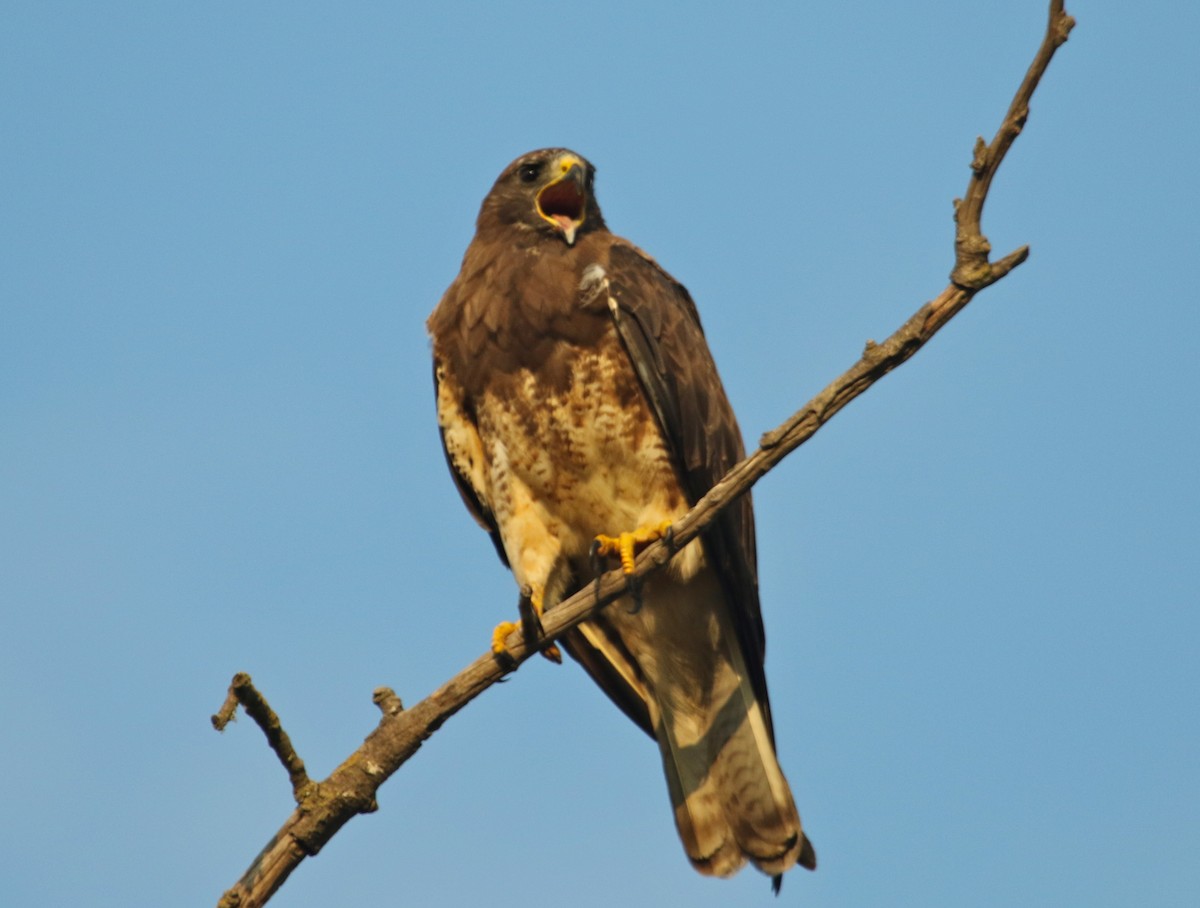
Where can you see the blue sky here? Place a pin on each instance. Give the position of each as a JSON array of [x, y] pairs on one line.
[[222, 226]]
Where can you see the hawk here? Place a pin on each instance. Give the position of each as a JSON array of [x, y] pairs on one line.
[[577, 398]]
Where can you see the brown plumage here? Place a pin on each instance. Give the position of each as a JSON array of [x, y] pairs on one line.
[[577, 396]]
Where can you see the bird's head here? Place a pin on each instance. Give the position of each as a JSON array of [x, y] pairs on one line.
[[547, 194]]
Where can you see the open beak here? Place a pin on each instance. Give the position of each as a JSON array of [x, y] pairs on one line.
[[563, 201]]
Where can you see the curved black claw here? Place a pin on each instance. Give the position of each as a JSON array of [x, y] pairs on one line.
[[596, 564], [633, 583], [506, 661]]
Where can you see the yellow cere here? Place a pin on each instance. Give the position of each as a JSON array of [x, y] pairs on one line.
[[567, 161]]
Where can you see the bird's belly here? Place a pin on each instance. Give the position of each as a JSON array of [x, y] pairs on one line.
[[580, 457]]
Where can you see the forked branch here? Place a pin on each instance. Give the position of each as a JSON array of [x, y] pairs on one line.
[[972, 270], [324, 807]]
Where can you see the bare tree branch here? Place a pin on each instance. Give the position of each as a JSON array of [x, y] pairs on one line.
[[324, 807]]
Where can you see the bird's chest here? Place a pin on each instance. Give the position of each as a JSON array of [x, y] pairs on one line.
[[582, 449]]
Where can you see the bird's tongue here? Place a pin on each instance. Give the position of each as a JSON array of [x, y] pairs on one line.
[[563, 221]]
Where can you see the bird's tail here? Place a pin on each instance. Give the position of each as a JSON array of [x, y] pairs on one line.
[[675, 665], [731, 800]]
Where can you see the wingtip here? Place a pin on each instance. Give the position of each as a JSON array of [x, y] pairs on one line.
[[806, 859], [808, 854]]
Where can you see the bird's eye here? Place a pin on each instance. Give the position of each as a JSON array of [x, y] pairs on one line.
[[529, 172]]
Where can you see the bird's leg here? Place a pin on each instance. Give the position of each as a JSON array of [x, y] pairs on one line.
[[626, 545], [530, 607]]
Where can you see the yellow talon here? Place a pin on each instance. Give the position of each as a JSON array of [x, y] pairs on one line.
[[500, 634], [531, 612], [627, 545]]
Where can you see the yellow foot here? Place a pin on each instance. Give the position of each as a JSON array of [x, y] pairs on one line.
[[530, 606], [627, 545], [499, 635]]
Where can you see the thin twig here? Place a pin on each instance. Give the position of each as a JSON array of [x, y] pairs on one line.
[[242, 691], [325, 807], [972, 270]]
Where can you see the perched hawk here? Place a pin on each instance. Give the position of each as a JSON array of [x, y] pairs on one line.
[[577, 398]]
